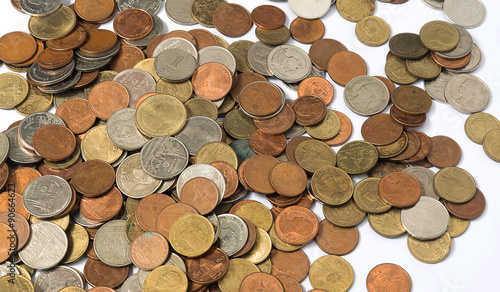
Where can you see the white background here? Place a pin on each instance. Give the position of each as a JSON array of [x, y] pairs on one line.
[[473, 262]]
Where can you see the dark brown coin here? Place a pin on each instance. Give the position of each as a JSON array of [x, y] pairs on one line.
[[400, 189], [268, 17], [321, 51], [54, 142], [200, 193], [230, 176], [76, 114], [278, 124], [260, 99], [243, 80], [388, 278], [260, 281], [208, 268], [70, 42], [412, 147], [425, 148], [203, 38], [411, 99], [148, 211], [273, 37], [264, 143], [95, 10], [86, 79], [444, 152], [93, 178], [280, 202], [288, 179], [258, 171], [127, 57], [65, 173], [469, 210], [149, 251], [296, 232], [336, 240], [309, 110], [168, 215], [307, 31], [407, 46], [103, 208], [53, 59], [344, 66], [252, 237], [18, 223], [294, 264], [98, 273], [106, 98], [232, 20], [407, 120], [385, 167], [292, 145], [381, 129], [17, 47], [99, 41], [20, 178], [133, 24]]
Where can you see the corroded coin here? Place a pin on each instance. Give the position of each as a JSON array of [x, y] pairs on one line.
[[407, 46], [411, 99], [309, 110]]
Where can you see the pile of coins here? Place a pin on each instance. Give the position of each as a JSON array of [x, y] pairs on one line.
[[157, 139]]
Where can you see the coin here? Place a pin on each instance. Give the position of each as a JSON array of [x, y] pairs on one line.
[[427, 220], [329, 267], [257, 57], [373, 31], [288, 179], [296, 233], [191, 235], [444, 152], [364, 153], [430, 251], [62, 21], [425, 68], [43, 187], [85, 11], [474, 62], [17, 47], [366, 196], [336, 240], [459, 90], [232, 20], [381, 129], [98, 274], [165, 215], [279, 124], [490, 144], [93, 178], [78, 241], [16, 283], [202, 170], [268, 17], [439, 36], [175, 277], [309, 110], [215, 74], [151, 118], [261, 248], [54, 142], [312, 11], [329, 194], [216, 151], [208, 268], [454, 184], [103, 208], [261, 281], [234, 233], [407, 46], [400, 189], [342, 74], [471, 17], [307, 31], [255, 212], [469, 210], [218, 55], [111, 245], [273, 37], [388, 277], [283, 69], [396, 70], [145, 258], [96, 145]]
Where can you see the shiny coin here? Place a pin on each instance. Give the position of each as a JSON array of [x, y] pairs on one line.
[[13, 90], [40, 189], [329, 266], [160, 115], [355, 10], [97, 145], [62, 21], [387, 224], [191, 235], [454, 184], [478, 125], [111, 245], [366, 196], [313, 11], [430, 251], [143, 256], [427, 220]]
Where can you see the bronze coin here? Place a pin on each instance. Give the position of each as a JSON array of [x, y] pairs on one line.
[[280, 202], [407, 120], [294, 264], [4, 174], [258, 171], [156, 41], [95, 10], [103, 208], [230, 176], [469, 210], [133, 24], [307, 31], [203, 38], [288, 179], [252, 237], [99, 41], [6, 201], [181, 34], [260, 281], [127, 57], [208, 268], [17, 222], [66, 173], [336, 240], [98, 273], [20, 178], [17, 47], [278, 124], [345, 131], [243, 80], [167, 216], [400, 189], [388, 278], [148, 211], [86, 79], [106, 98], [411, 99], [39, 49], [101, 289], [385, 167], [292, 145], [149, 251], [212, 81], [451, 63], [54, 142], [93, 178], [264, 143], [317, 86], [232, 20], [309, 110], [289, 283], [70, 42], [387, 83], [425, 148], [412, 148], [76, 114], [444, 152], [296, 232], [201, 194], [344, 66], [268, 17], [52, 59], [241, 175], [381, 129], [260, 99], [9, 234], [321, 51]]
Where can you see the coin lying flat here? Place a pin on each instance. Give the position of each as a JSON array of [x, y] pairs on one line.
[[388, 277], [325, 269], [427, 220], [467, 93], [466, 13], [490, 144], [53, 191], [282, 67], [314, 10], [111, 245]]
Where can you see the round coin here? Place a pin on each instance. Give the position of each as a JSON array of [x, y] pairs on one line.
[[388, 277], [324, 268]]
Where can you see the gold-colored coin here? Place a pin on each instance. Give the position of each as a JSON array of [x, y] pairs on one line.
[[430, 251], [332, 185], [166, 278], [23, 272], [357, 157], [226, 106], [491, 144], [257, 213], [424, 68], [216, 151], [331, 273], [63, 164], [182, 91], [191, 235], [239, 125], [373, 31], [387, 224], [221, 42], [28, 269], [395, 69], [439, 36], [53, 26], [131, 205], [345, 215], [148, 65], [238, 270], [13, 90], [455, 184], [326, 129], [17, 69], [239, 49], [18, 283], [72, 289], [367, 198], [273, 37], [203, 10], [312, 155], [355, 10], [261, 249], [37, 101], [457, 226], [78, 241], [62, 222], [393, 149], [108, 75], [160, 115], [478, 125], [201, 107], [265, 266], [132, 229], [280, 244], [97, 145]]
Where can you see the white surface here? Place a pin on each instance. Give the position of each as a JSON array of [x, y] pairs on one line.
[[473, 262]]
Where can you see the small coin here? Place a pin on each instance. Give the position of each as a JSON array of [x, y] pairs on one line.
[[322, 270], [96, 145], [411, 99], [469, 210], [395, 69], [355, 10], [160, 115], [407, 46], [217, 54], [288, 179], [336, 240], [388, 277], [373, 31], [143, 256], [261, 249], [444, 152], [460, 89], [191, 235], [200, 193], [47, 186], [364, 153], [439, 36], [93, 178], [400, 189], [232, 20], [451, 63], [455, 185], [309, 110], [430, 251], [212, 81], [216, 151], [254, 211], [282, 69]]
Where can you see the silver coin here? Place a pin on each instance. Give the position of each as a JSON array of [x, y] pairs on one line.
[[214, 220], [366, 95], [179, 11], [464, 46], [119, 160], [122, 131], [426, 178], [45, 77], [59, 98], [46, 247], [218, 55], [101, 56], [151, 6], [138, 83], [206, 171], [219, 102], [78, 218], [466, 13], [172, 260], [176, 43], [4, 147], [157, 30], [236, 197], [467, 93], [164, 157], [427, 220], [7, 268], [233, 235], [257, 58], [47, 196], [58, 278], [165, 186], [111, 245], [310, 9], [32, 123], [133, 181], [295, 131], [199, 131], [39, 7], [131, 284], [475, 61], [64, 85], [18, 153], [90, 65], [289, 63], [435, 88], [315, 72], [175, 65], [438, 4]]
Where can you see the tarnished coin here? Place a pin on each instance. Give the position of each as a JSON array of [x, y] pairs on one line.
[[93, 178], [289, 63], [322, 50], [17, 47], [307, 31], [164, 157], [389, 278], [400, 189], [122, 131], [47, 196], [261, 281], [111, 245], [345, 66], [396, 71], [151, 6], [268, 17], [430, 251], [366, 196], [373, 31], [475, 61], [439, 36], [466, 13], [179, 11], [58, 278], [425, 68], [218, 55], [332, 273], [411, 99], [232, 20], [183, 68], [17, 152], [32, 123], [273, 37], [464, 46], [381, 129], [407, 46], [355, 10], [14, 90], [427, 220], [234, 233], [454, 184], [257, 57], [336, 240], [467, 93], [426, 178], [345, 215], [330, 194], [174, 276], [103, 276], [312, 11], [490, 144], [197, 132], [202, 170], [444, 152], [469, 210], [436, 87], [387, 224], [365, 155]]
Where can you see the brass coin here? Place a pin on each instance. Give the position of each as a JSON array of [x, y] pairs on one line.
[[430, 251], [132, 228], [238, 270], [424, 68], [191, 235], [62, 222], [13, 90], [239, 49], [167, 278], [491, 144], [331, 273], [255, 212], [273, 37], [148, 65], [53, 26], [454, 184], [312, 155], [261, 248], [439, 36], [355, 10], [345, 215], [182, 91], [280, 244], [217, 151], [332, 185], [37, 101], [367, 197], [265, 266], [201, 107], [357, 157], [160, 115], [17, 283], [97, 145], [78, 241], [395, 148], [373, 31], [395, 69], [239, 125], [387, 224], [326, 129], [203, 11], [478, 125], [457, 226]]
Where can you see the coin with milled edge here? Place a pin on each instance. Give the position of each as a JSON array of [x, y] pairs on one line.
[[234, 233], [58, 278], [47, 196], [111, 245]]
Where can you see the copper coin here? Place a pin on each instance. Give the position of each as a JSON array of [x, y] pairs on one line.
[[321, 51], [76, 114], [412, 148], [451, 63], [52, 59], [345, 131], [70, 42], [39, 49], [8, 234], [99, 41], [425, 148], [444, 152], [252, 237], [148, 210], [20, 178], [133, 24], [127, 57], [94, 10], [17, 222], [381, 129], [469, 210], [106, 98], [411, 99], [203, 38], [407, 120], [309, 110], [208, 268], [264, 143], [66, 173], [317, 86], [268, 17], [4, 175], [230, 176], [232, 20], [16, 5], [388, 278], [155, 42], [243, 80], [400, 189], [280, 202], [288, 179], [260, 99], [201, 194], [103, 208], [101, 289], [387, 83], [278, 124], [241, 175], [260, 281], [98, 273], [149, 251], [181, 34], [292, 145], [212, 81], [86, 79], [344, 66], [307, 31], [257, 173], [6, 200], [296, 225], [294, 264], [54, 142], [169, 214], [93, 178], [336, 240], [17, 47], [289, 283]]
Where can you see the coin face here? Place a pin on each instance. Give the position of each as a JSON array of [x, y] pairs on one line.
[[470, 17], [388, 275], [414, 219], [116, 254], [330, 265]]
